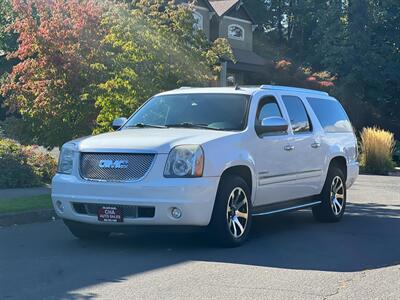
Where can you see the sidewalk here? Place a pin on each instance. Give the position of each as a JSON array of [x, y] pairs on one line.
[[24, 192]]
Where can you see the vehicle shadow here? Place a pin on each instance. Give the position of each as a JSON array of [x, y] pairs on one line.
[[367, 238]]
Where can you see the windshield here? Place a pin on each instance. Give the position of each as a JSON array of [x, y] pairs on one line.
[[206, 111]]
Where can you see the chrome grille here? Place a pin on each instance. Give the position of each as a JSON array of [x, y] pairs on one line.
[[108, 166]]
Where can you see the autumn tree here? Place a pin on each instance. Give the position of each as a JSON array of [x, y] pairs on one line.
[[83, 64], [8, 42], [49, 88]]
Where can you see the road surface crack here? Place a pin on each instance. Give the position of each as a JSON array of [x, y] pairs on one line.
[[346, 284]]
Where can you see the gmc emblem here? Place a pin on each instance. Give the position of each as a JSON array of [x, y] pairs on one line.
[[113, 164]]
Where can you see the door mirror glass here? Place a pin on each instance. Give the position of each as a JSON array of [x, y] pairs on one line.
[[272, 125], [117, 123]]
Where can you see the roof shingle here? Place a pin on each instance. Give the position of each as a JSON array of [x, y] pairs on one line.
[[222, 6]]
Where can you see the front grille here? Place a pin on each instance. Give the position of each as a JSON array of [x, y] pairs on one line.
[[115, 166], [129, 211]]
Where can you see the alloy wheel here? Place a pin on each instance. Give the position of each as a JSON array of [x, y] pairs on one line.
[[337, 195], [237, 212]]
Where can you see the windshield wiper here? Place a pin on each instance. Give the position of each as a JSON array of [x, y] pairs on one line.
[[191, 125], [142, 125]]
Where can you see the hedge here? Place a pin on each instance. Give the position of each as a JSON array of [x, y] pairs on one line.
[[24, 166]]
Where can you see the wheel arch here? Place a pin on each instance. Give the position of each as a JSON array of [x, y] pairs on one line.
[[245, 172], [340, 162]]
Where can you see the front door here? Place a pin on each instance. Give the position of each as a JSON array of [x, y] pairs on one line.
[[275, 159]]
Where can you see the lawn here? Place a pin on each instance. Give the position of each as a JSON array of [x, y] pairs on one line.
[[25, 204]]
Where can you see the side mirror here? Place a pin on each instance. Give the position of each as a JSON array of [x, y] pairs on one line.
[[271, 125], [117, 123]]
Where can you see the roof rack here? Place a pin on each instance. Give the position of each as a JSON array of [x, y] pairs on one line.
[[292, 89]]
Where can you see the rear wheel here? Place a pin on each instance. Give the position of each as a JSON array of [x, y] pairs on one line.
[[84, 231], [231, 219], [333, 197]]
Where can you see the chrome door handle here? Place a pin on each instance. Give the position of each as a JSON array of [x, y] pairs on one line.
[[289, 147], [316, 145]]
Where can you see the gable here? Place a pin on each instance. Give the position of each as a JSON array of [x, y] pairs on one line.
[[222, 6], [240, 13], [231, 8]]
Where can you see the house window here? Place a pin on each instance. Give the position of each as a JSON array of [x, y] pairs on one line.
[[236, 32], [198, 21]]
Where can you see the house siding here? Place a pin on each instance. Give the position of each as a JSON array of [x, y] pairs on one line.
[[206, 19], [247, 43]]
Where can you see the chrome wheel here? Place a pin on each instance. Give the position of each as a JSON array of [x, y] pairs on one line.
[[237, 212], [337, 195]]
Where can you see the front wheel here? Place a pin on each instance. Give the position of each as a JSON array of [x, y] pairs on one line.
[[231, 219], [333, 197]]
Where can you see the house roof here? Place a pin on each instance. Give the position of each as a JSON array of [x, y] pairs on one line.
[[248, 61], [248, 57], [222, 6]]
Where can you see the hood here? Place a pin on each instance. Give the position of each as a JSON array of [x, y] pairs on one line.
[[148, 139]]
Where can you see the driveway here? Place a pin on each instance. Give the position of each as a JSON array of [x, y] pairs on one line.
[[288, 257]]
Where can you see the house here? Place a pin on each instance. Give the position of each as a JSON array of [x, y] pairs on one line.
[[231, 20]]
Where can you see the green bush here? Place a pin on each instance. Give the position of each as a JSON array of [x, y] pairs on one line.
[[22, 166]]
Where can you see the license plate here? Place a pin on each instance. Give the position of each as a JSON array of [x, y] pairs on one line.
[[110, 214]]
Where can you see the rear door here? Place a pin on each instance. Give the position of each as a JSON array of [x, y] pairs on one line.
[[306, 145]]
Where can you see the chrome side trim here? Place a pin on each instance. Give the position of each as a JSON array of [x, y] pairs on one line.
[[263, 175], [265, 179], [287, 209]]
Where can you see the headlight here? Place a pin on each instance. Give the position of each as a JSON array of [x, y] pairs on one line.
[[185, 161], [66, 160]]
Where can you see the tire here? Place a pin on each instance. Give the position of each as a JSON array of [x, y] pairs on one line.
[[232, 207], [333, 197], [84, 231]]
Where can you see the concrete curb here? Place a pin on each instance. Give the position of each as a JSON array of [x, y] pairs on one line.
[[36, 216]]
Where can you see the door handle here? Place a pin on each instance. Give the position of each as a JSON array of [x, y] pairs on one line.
[[289, 147], [316, 145]]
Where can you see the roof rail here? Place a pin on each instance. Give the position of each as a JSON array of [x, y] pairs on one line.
[[185, 87], [292, 89]]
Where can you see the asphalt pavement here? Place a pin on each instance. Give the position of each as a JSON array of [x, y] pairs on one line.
[[289, 256]]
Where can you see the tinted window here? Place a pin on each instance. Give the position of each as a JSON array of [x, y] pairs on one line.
[[297, 114], [215, 111], [268, 107], [331, 115]]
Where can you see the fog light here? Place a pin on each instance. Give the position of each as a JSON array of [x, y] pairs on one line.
[[59, 206], [176, 213]]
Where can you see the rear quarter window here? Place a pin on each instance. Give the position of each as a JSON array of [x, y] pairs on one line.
[[331, 115]]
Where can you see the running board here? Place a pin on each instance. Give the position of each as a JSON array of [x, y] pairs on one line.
[[278, 208]]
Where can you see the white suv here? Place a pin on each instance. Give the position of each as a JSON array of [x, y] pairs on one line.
[[211, 157]]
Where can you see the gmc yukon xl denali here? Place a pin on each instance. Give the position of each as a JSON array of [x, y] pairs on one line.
[[213, 157]]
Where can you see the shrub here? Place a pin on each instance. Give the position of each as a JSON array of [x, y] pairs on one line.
[[24, 166], [43, 164], [377, 150]]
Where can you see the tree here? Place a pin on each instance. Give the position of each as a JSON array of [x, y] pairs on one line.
[[8, 42], [150, 47], [82, 64], [357, 41], [49, 87]]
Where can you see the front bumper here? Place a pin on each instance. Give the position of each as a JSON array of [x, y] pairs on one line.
[[193, 196]]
